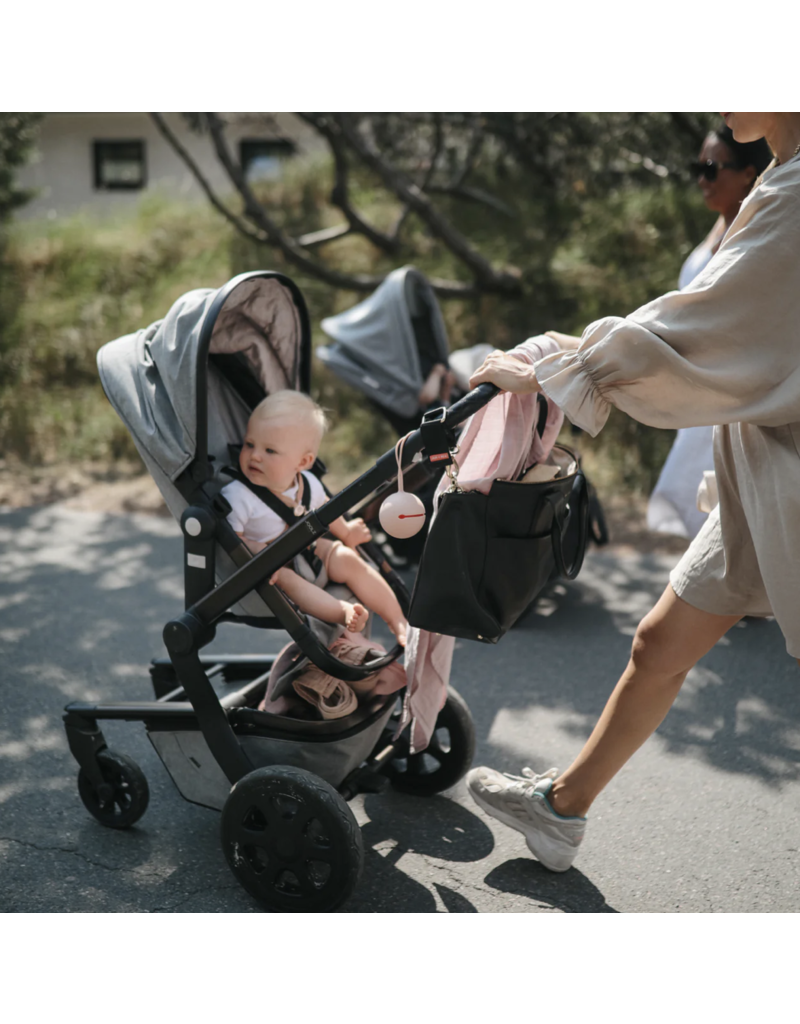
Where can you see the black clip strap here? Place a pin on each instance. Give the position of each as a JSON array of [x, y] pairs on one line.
[[438, 439], [282, 510], [271, 500]]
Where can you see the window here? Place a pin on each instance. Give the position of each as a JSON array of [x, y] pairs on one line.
[[263, 158], [119, 165]]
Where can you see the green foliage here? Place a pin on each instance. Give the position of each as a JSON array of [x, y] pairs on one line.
[[17, 135], [626, 251], [74, 287], [591, 241], [595, 256]]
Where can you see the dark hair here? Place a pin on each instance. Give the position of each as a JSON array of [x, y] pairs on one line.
[[745, 154]]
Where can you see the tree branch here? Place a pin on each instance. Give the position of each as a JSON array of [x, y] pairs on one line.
[[487, 278], [340, 194], [275, 235], [324, 235], [288, 245], [438, 143], [688, 127], [217, 203], [474, 148], [474, 195]]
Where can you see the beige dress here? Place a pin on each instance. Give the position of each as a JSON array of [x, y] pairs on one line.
[[724, 351]]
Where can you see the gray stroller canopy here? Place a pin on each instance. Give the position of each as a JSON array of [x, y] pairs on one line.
[[387, 345], [180, 405], [158, 382]]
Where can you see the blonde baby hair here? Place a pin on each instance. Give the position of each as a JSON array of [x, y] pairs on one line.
[[293, 405]]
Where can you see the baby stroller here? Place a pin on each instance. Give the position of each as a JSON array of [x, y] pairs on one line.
[[388, 345], [185, 387]]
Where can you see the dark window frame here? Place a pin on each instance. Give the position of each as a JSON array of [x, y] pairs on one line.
[[98, 157], [281, 148]]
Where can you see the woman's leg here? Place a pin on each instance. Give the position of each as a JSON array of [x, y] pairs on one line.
[[670, 640]]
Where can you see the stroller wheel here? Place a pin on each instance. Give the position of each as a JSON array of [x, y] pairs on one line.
[[447, 757], [128, 794], [291, 840]]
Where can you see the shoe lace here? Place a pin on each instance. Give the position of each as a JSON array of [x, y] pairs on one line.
[[526, 782]]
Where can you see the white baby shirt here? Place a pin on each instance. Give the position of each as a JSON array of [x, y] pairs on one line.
[[251, 517]]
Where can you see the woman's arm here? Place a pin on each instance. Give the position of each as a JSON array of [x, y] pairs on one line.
[[506, 371], [568, 342], [723, 350], [511, 371]]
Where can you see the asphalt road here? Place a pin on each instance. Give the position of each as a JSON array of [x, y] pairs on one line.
[[706, 817]]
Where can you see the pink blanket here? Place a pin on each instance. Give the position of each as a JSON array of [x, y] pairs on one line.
[[497, 443], [315, 686]]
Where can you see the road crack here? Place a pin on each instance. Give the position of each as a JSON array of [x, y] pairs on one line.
[[171, 908], [73, 852], [458, 883]]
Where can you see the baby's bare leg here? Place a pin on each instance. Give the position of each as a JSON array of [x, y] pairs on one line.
[[314, 601], [343, 565]]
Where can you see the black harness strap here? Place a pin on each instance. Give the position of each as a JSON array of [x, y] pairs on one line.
[[273, 502]]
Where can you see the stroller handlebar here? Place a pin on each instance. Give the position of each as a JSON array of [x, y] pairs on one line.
[[471, 403]]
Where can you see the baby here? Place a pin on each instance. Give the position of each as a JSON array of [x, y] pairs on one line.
[[282, 441]]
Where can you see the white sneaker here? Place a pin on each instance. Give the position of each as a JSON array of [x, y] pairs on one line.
[[519, 801]]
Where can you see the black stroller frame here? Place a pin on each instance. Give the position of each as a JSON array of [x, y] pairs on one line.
[[309, 859]]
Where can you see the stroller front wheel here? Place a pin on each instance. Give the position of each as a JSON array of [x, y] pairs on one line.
[[291, 840], [126, 795], [446, 759]]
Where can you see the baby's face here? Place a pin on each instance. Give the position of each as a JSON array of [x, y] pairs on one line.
[[276, 450]]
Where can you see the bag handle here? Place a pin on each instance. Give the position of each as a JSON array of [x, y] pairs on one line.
[[579, 502]]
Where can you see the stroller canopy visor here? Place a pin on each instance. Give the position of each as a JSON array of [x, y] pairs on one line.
[[158, 379], [388, 344]]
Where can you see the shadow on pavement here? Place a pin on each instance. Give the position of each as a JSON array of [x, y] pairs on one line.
[[432, 828], [83, 600], [571, 892], [739, 709], [429, 826]]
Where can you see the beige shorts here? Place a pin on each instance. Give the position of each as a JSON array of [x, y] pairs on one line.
[[731, 568]]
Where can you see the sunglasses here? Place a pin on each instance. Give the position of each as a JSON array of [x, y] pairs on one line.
[[709, 169]]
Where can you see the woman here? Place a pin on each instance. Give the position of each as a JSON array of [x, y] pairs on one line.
[[722, 351], [726, 171]]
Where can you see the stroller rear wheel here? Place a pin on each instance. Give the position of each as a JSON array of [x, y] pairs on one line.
[[124, 798], [446, 759], [291, 840]]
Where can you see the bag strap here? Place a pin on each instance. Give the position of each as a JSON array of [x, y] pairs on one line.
[[578, 505], [544, 409]]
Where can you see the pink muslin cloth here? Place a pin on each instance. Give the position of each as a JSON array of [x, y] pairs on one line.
[[497, 443], [500, 440]]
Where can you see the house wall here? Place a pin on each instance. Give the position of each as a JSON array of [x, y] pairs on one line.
[[62, 167]]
